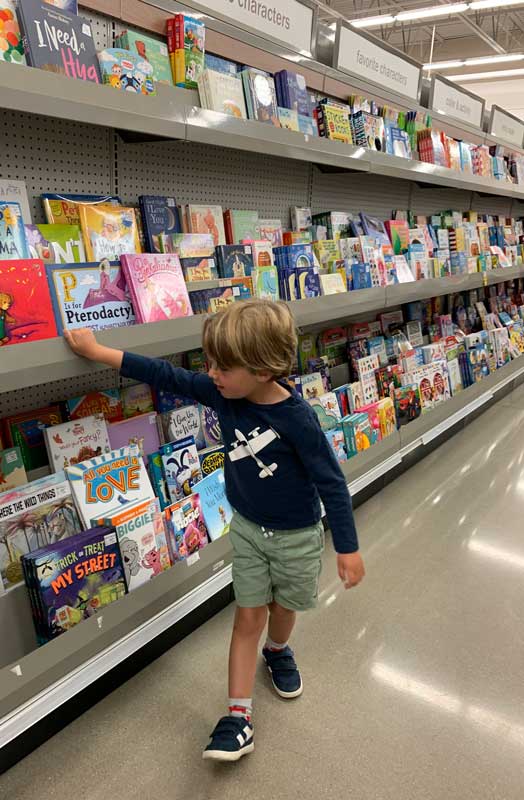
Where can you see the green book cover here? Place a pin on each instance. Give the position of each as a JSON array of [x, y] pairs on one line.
[[244, 225], [151, 49], [55, 244], [12, 470]]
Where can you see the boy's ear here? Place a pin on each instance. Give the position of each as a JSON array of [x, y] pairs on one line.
[[263, 377]]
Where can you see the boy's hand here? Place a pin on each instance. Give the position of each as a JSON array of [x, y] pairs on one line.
[[350, 568], [83, 343]]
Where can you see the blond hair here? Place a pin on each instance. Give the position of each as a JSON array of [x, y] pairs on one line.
[[259, 335]]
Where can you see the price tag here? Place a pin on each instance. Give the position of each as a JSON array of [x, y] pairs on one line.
[[192, 559]]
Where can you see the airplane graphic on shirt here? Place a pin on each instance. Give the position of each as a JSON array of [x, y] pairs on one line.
[[248, 447]]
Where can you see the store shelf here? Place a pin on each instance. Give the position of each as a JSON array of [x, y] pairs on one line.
[[435, 287]]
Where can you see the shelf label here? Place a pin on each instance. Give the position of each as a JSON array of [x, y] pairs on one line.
[[454, 102], [192, 559], [506, 126], [365, 58], [287, 21]]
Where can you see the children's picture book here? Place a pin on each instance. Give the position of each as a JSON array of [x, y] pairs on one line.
[[357, 433], [14, 191], [211, 458], [73, 580], [158, 479], [93, 295], [337, 442], [62, 209], [136, 527], [181, 467], [310, 385], [55, 244], [137, 399], [292, 92], [107, 402], [271, 231], [152, 50], [58, 41], [216, 509], [38, 514], [109, 481], [11, 40], [261, 98], [108, 231], [206, 219], [187, 56], [26, 431], [159, 216], [13, 242], [186, 527], [157, 286], [332, 283], [223, 93], [408, 405], [241, 225], [12, 470], [180, 423], [141, 431], [126, 71], [26, 311], [76, 441], [288, 119], [327, 410]]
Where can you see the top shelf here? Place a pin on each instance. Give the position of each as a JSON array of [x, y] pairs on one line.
[[172, 114]]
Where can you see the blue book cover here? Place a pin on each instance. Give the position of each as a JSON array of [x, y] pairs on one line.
[[293, 92], [181, 467], [234, 260], [13, 242], [157, 476], [215, 506], [307, 125], [89, 295], [307, 283], [218, 64], [361, 275], [160, 216]]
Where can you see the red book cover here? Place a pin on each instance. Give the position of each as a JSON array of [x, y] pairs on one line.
[[171, 35], [228, 226], [179, 31], [26, 311]]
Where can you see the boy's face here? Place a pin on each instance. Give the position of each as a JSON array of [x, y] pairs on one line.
[[236, 382]]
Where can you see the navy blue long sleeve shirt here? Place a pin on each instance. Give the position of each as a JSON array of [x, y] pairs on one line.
[[278, 462]]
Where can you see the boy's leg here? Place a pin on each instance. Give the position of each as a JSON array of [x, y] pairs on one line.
[[281, 623], [247, 630]]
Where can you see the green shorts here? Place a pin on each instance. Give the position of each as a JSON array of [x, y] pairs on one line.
[[276, 565]]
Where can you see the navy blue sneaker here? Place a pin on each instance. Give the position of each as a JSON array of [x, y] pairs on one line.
[[231, 739], [284, 672]]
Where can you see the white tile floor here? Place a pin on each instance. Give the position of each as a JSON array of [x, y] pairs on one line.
[[414, 681]]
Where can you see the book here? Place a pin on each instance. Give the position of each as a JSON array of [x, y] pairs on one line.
[[153, 50], [194, 420], [408, 405], [223, 93], [337, 442], [332, 283], [136, 530], [72, 580], [26, 431], [158, 479], [14, 191], [12, 470], [186, 527], [58, 41], [157, 286], [211, 458], [107, 402], [126, 71], [357, 433], [76, 441], [63, 209], [220, 64], [241, 225], [159, 216], [181, 467], [292, 92], [137, 399], [234, 260], [206, 219], [55, 244], [333, 123], [89, 294], [109, 231], [11, 40], [26, 311], [141, 431], [309, 385], [260, 94], [33, 516], [288, 119], [215, 506], [188, 245], [271, 231], [187, 56], [107, 482], [65, 5], [327, 410], [13, 242]]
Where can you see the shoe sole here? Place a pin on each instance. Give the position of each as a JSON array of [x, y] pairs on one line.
[[224, 755], [286, 695]]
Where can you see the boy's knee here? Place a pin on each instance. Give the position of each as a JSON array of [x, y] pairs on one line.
[[251, 621], [276, 610]]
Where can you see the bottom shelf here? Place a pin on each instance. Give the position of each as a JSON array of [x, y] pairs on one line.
[[35, 684]]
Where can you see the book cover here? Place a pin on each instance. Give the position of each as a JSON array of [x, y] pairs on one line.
[[152, 50], [159, 216], [186, 527], [157, 286], [109, 231], [126, 71], [26, 431], [234, 260], [135, 528], [408, 404], [141, 431], [113, 479], [332, 283], [55, 244], [260, 94], [26, 311], [333, 123], [12, 470], [357, 433], [223, 93], [292, 92], [137, 399], [271, 231], [158, 479], [327, 410], [11, 40], [58, 41], [215, 506], [288, 119], [265, 283], [310, 385], [181, 467], [241, 225], [14, 191], [337, 442], [13, 242], [207, 219], [211, 458], [91, 295], [187, 60], [76, 441], [63, 209], [107, 402], [188, 245], [180, 423]]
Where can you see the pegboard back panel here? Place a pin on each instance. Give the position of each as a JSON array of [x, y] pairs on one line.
[[355, 191], [426, 200], [103, 28], [492, 205], [198, 173]]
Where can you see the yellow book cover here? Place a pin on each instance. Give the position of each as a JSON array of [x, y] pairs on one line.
[[178, 66], [61, 212], [109, 231], [336, 124]]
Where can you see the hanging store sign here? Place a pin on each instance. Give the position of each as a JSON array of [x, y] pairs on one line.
[[447, 98], [505, 126], [367, 58]]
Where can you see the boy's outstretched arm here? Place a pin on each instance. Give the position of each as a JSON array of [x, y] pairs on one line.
[[154, 371]]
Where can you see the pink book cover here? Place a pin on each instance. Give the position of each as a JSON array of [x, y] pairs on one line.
[[157, 286], [141, 431]]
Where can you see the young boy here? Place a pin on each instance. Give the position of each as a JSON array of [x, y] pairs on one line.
[[278, 464]]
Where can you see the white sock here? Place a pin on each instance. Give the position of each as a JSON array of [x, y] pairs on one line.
[[271, 645], [241, 707]]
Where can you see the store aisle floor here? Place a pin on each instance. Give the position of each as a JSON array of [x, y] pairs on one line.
[[414, 682]]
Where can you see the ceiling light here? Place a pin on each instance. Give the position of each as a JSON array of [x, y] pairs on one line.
[[480, 76], [471, 62], [368, 22], [432, 11], [444, 65]]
